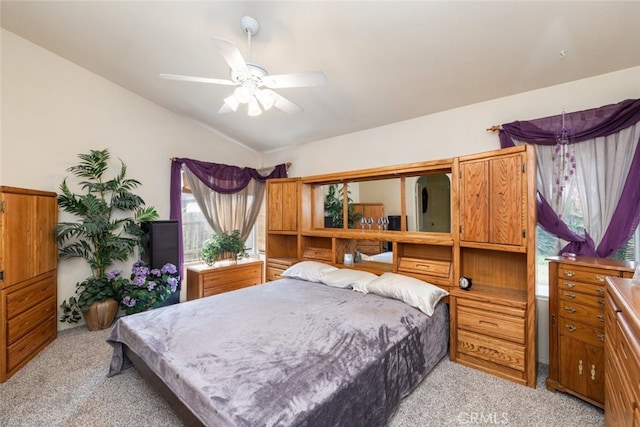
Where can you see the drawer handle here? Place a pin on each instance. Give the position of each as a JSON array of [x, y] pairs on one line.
[[570, 296], [570, 309], [601, 317], [570, 285], [580, 367], [570, 328], [593, 372], [601, 302], [569, 273], [601, 337], [484, 322], [600, 278], [600, 290]]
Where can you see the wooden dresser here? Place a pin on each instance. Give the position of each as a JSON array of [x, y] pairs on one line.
[[577, 324], [204, 280], [28, 276], [622, 353]]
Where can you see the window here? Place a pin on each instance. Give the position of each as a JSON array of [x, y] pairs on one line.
[[195, 230], [549, 245]]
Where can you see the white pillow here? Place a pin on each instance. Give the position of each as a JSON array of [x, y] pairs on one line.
[[421, 295], [311, 271], [347, 278]]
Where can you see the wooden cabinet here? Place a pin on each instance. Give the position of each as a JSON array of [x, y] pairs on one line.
[[622, 353], [493, 324], [28, 268], [577, 324], [282, 204], [493, 197], [204, 280]]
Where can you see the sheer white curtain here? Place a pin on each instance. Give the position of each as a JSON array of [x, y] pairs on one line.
[[228, 212], [603, 166], [601, 169]]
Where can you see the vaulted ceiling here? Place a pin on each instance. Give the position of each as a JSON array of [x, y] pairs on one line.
[[385, 61]]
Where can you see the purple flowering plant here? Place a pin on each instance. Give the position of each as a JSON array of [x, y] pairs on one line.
[[148, 287]]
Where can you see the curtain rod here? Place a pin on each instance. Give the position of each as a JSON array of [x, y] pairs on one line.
[[288, 164], [494, 128]]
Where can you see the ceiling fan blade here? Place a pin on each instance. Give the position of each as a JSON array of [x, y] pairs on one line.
[[311, 78], [232, 55], [197, 79], [285, 105]]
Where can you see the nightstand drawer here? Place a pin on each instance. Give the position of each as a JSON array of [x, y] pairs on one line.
[[494, 350], [493, 324]]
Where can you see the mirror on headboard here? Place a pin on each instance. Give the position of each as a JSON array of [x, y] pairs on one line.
[[427, 201]]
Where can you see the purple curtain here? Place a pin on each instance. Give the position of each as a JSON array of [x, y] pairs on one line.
[[587, 125], [219, 177]]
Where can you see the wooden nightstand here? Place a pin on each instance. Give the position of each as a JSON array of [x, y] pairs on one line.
[[204, 280]]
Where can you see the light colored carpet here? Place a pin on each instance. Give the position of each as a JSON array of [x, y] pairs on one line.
[[66, 385]]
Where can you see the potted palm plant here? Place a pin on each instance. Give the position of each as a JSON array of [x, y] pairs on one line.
[[107, 230]]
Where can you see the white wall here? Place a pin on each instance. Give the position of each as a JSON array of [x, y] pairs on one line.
[[454, 132], [53, 110], [457, 132]]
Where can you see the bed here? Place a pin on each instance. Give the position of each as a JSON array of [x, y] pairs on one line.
[[288, 352]]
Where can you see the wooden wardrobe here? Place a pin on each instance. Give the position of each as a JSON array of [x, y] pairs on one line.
[[28, 275]]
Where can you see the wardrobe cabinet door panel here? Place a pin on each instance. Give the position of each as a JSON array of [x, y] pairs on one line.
[[505, 200], [474, 199]]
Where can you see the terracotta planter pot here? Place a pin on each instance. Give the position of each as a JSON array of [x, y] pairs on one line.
[[101, 314]]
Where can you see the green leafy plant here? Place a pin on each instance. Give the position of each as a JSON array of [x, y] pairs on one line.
[[107, 228], [333, 208], [222, 243]]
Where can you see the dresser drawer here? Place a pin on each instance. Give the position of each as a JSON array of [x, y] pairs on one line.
[[494, 350], [22, 323], [25, 347], [581, 287], [590, 275], [579, 298], [493, 324], [33, 293], [581, 331], [593, 316], [228, 280], [628, 352]]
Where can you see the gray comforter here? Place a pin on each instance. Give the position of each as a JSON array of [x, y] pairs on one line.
[[286, 353]]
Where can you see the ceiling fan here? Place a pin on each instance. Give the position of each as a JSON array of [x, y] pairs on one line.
[[254, 84]]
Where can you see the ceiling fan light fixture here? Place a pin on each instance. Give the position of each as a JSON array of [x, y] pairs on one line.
[[243, 93], [267, 98], [232, 102], [253, 108]]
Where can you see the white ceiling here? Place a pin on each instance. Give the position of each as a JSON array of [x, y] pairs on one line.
[[385, 61]]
